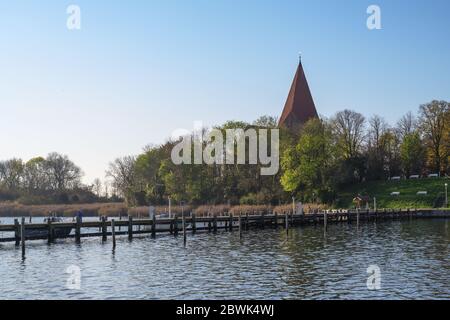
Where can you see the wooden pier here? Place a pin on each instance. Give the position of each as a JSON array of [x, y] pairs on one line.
[[190, 223]]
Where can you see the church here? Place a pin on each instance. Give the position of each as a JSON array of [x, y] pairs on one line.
[[299, 107]]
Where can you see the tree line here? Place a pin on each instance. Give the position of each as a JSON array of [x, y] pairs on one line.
[[53, 179], [317, 160]]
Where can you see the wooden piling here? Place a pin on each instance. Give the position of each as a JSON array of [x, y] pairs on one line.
[[17, 231], [231, 222], [287, 221], [78, 230], [175, 224], [246, 221], [130, 228], [215, 223], [50, 230], [325, 220], [183, 221], [240, 226], [194, 226], [292, 218], [154, 225], [113, 232], [262, 220], [104, 229], [357, 217], [275, 219], [22, 235]]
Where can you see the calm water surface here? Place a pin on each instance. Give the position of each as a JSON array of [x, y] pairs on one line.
[[413, 257]]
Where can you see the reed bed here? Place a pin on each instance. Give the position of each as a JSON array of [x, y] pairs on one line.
[[12, 209]]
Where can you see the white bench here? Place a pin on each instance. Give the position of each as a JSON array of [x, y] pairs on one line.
[[433, 175], [395, 178], [422, 193], [414, 176], [396, 193]]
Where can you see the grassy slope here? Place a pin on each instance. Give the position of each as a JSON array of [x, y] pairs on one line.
[[407, 188]]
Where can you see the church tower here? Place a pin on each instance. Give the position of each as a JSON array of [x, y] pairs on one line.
[[299, 107]]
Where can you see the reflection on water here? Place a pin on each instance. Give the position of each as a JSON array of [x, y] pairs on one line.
[[413, 257]]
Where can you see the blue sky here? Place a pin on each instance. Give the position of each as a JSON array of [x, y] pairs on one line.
[[138, 70]]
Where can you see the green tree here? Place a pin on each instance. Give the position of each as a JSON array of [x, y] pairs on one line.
[[412, 154], [308, 166], [434, 122]]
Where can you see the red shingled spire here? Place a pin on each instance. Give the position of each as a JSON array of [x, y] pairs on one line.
[[299, 107]]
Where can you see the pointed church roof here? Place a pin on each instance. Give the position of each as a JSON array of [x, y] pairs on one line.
[[299, 107]]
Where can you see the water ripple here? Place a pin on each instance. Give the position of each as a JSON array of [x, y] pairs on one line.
[[413, 257]]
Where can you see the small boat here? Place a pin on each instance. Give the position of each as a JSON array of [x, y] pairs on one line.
[[58, 232]]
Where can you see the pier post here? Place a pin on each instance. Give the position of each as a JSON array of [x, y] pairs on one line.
[[246, 221], [357, 217], [113, 232], [215, 223], [231, 221], [287, 222], [104, 230], [154, 225], [240, 226], [50, 230], [325, 220], [262, 220], [17, 231], [275, 219], [183, 222], [22, 235], [194, 226], [175, 224], [292, 218], [130, 228], [78, 230]]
